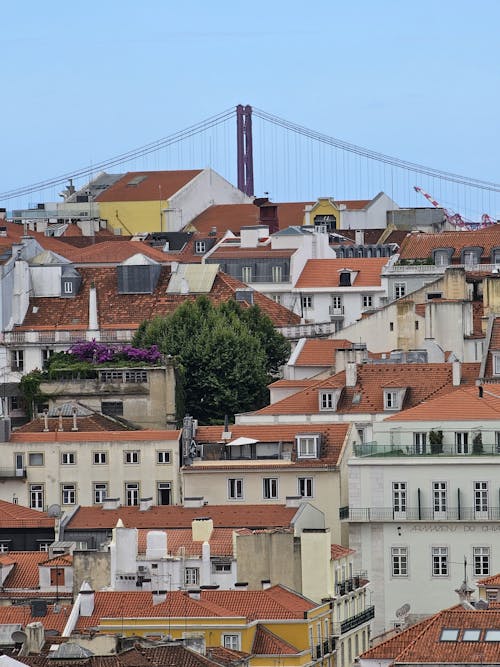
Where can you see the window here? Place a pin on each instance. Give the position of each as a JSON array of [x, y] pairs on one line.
[[439, 561], [496, 256], [164, 493], [36, 496], [68, 458], [68, 494], [4, 547], [327, 400], [449, 635], [496, 364], [112, 408], [471, 635], [270, 488], [100, 458], [44, 546], [132, 493], [462, 442], [35, 459], [277, 274], [399, 498], [192, 576], [163, 456], [17, 361], [46, 354], [57, 576], [276, 298], [307, 302], [200, 247], [336, 302], [235, 489], [68, 287], [246, 274], [470, 257], [399, 560], [420, 442], [367, 300], [391, 401], [481, 499], [439, 499], [391, 326], [231, 641], [305, 487], [399, 290], [481, 561], [491, 594], [344, 279], [132, 456], [307, 446], [221, 568], [100, 492], [441, 258], [492, 636]]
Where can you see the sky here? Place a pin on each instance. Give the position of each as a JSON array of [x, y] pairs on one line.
[[84, 81]]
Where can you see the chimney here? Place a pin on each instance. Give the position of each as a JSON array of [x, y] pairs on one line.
[[201, 529], [351, 374], [194, 593], [359, 236], [205, 569], [456, 373], [87, 600], [145, 504], [111, 503], [241, 585], [340, 360], [293, 501], [93, 316], [194, 501], [74, 411], [266, 583], [156, 544], [159, 597], [35, 638]]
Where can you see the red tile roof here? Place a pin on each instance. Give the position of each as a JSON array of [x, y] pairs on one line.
[[267, 643], [22, 615], [94, 422], [20, 435], [24, 573], [321, 352], [233, 217], [221, 542], [462, 404], [423, 381], [494, 580], [229, 251], [17, 516], [338, 551], [421, 245], [156, 186], [326, 272], [174, 516], [126, 311]]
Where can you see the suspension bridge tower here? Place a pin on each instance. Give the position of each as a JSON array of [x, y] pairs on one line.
[[244, 148]]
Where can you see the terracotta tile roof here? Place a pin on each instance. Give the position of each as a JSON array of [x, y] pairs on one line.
[[233, 217], [225, 656], [301, 384], [64, 560], [221, 542], [126, 311], [227, 251], [267, 643], [21, 614], [155, 186], [338, 551], [17, 516], [114, 252], [175, 516], [494, 580], [423, 381], [421, 245], [95, 436], [392, 647], [94, 422], [274, 603], [371, 236], [24, 573], [334, 435], [321, 352], [326, 272], [354, 204], [461, 404]]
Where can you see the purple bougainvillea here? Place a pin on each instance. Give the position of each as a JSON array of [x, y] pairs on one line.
[[100, 353]]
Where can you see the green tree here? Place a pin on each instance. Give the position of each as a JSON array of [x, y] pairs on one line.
[[226, 355]]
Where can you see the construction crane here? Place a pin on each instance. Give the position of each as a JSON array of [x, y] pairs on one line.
[[456, 219]]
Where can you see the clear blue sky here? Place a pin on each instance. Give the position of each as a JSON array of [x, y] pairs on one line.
[[83, 81]]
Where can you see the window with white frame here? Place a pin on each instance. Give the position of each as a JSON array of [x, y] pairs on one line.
[[496, 364], [36, 496], [46, 354], [439, 561], [399, 290], [277, 274], [44, 546], [235, 488], [276, 298], [68, 287], [246, 274], [440, 499], [100, 458], [481, 498], [441, 258], [399, 491], [496, 256], [192, 576], [17, 363], [462, 442], [231, 642], [367, 300], [270, 488], [163, 456], [68, 458], [164, 493], [131, 456], [420, 442], [132, 493], [305, 487], [35, 459], [307, 302], [200, 247], [481, 556], [399, 560], [391, 399], [100, 492], [327, 400], [307, 446], [68, 494], [336, 302]]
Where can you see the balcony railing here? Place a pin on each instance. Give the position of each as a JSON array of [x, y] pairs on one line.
[[308, 330], [65, 337], [324, 648], [375, 448], [433, 268], [423, 513], [348, 586], [9, 473], [336, 311], [355, 621]]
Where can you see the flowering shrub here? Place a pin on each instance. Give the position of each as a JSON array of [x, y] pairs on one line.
[[100, 353]]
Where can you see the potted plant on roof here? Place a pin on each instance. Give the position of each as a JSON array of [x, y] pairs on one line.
[[477, 443], [436, 441]]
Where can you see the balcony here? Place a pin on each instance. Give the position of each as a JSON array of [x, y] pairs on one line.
[[260, 451], [348, 586], [12, 473], [376, 449], [308, 330], [336, 311], [355, 621], [437, 269], [422, 513], [64, 337], [324, 648]]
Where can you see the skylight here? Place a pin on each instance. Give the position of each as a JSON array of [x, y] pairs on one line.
[[136, 180], [449, 635], [492, 636], [471, 635]]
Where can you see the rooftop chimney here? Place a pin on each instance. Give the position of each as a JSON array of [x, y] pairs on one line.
[[194, 501], [456, 373], [145, 504], [87, 600], [201, 529], [93, 317], [159, 597], [111, 503], [351, 374]]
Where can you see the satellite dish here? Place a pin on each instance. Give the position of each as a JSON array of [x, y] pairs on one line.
[[18, 637], [54, 511], [403, 610]]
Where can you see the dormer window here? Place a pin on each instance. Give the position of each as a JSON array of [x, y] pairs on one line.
[[496, 363], [307, 446], [345, 279], [472, 255], [393, 398], [200, 247], [328, 399]]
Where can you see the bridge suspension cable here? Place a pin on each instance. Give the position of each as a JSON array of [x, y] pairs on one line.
[[172, 139]]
